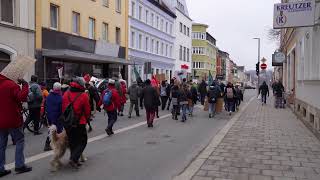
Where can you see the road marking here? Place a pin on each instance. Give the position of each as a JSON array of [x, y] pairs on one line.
[[93, 139], [196, 164]]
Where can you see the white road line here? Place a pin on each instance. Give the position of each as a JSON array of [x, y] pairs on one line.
[[93, 139]]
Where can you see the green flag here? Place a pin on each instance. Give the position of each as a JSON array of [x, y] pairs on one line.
[[210, 80], [136, 73]]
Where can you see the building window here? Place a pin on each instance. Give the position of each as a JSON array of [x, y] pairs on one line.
[[133, 9], [75, 23], [140, 13], [54, 16], [162, 49], [184, 53], [118, 35], [170, 30], [167, 27], [161, 25], [152, 45], [188, 32], [170, 51], [157, 47], [105, 31], [7, 11], [140, 41], [133, 38], [147, 16], [157, 22], [185, 30], [166, 50], [91, 28], [105, 3], [199, 50], [188, 55], [181, 27], [152, 19], [118, 6], [147, 44], [180, 53], [199, 35]]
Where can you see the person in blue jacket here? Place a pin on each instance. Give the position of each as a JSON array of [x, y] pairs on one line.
[[54, 111]]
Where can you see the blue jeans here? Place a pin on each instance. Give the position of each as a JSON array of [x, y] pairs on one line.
[[18, 137], [212, 108], [112, 118], [184, 111]]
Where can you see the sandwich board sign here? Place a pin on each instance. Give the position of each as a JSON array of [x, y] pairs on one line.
[[294, 14]]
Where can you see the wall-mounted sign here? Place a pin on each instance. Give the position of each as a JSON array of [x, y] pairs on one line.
[[294, 14], [278, 58]]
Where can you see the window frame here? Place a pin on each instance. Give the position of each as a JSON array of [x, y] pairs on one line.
[[106, 31], [133, 9], [133, 39], [118, 6], [105, 3], [57, 17], [94, 28], [13, 14], [118, 36], [79, 20]]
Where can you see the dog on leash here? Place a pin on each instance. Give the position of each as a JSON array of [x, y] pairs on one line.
[[59, 144]]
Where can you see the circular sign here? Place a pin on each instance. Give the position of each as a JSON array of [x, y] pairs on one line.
[[264, 66], [279, 57]]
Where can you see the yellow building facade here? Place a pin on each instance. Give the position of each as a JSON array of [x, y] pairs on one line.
[[97, 27]]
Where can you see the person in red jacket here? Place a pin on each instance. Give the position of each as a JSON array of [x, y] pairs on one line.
[[123, 98], [11, 121], [113, 107], [77, 135]]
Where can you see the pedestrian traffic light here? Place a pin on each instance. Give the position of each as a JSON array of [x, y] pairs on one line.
[[258, 68]]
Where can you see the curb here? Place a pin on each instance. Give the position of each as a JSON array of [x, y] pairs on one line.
[[196, 164]]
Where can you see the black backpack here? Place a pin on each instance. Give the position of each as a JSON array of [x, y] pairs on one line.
[[68, 117]]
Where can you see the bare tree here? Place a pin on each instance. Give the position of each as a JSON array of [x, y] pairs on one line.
[[274, 34]]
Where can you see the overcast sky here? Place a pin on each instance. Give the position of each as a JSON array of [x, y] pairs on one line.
[[234, 23]]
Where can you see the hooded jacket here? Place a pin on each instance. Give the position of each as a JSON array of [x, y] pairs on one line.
[[264, 89], [115, 99], [54, 109], [12, 97], [81, 106], [134, 92]]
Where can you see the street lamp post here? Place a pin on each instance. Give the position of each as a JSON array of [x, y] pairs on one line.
[[258, 61]]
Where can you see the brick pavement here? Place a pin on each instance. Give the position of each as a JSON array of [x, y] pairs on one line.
[[264, 144]]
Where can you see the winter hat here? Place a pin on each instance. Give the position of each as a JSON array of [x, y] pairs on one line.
[[111, 81], [56, 86]]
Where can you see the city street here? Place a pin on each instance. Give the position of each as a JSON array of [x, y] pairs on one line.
[[135, 153]]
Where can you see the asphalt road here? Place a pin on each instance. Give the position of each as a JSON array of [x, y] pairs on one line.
[[136, 153]]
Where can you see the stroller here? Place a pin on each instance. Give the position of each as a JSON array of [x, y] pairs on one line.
[[280, 102]]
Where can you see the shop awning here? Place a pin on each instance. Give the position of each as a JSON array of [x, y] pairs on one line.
[[84, 57]]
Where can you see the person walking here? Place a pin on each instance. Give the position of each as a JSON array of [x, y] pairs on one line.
[[141, 86], [213, 94], [163, 94], [34, 103], [278, 92], [94, 99], [175, 96], [54, 111], [134, 93], [238, 97], [230, 98], [150, 97], [77, 134], [123, 98], [203, 91], [112, 96], [264, 91], [11, 122], [194, 98], [169, 88], [185, 95]]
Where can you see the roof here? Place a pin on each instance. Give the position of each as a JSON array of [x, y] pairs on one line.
[[199, 24], [163, 7]]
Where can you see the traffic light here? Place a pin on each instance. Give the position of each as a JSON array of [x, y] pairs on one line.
[[258, 68]]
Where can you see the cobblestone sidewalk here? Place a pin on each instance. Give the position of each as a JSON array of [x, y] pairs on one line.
[[264, 144]]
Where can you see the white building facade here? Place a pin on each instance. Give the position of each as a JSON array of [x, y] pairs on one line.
[[183, 34], [151, 38], [17, 25]]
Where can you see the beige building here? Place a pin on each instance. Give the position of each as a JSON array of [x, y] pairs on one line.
[[17, 23], [81, 36]]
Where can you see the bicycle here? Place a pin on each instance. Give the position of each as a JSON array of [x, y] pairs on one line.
[[28, 123]]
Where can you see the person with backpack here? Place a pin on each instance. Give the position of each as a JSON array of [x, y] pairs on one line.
[[11, 122], [163, 94], [194, 98], [230, 98], [264, 91], [213, 94], [111, 103], [54, 111], [238, 96], [185, 95], [150, 97], [175, 96], [76, 112], [34, 103], [202, 89], [134, 93]]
